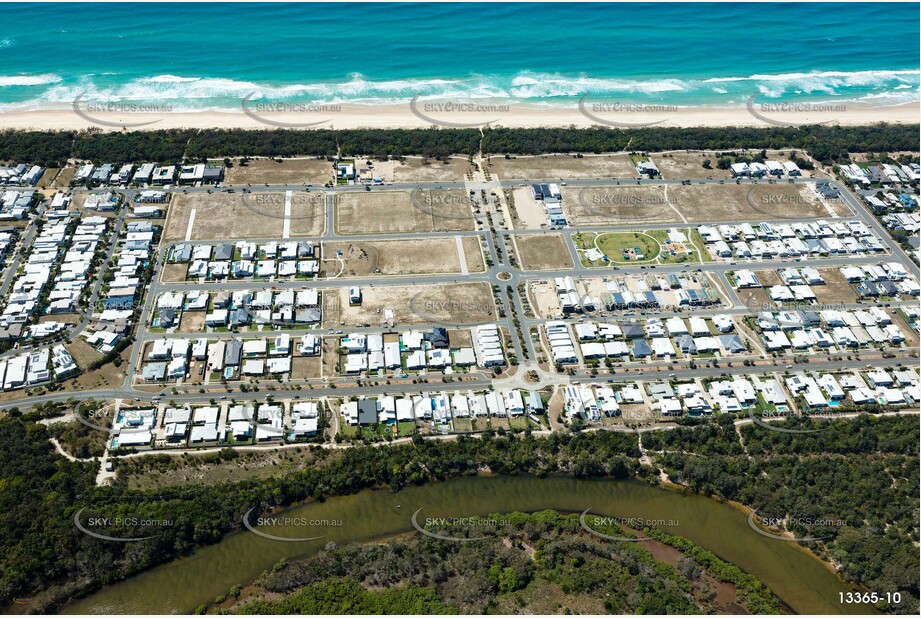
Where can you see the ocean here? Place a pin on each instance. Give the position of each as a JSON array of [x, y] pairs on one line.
[[211, 56]]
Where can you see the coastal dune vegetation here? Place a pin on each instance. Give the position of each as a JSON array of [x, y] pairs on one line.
[[827, 144]]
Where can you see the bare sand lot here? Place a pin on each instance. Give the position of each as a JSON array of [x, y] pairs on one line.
[[544, 299], [389, 212], [562, 166], [768, 277], [528, 213], [224, 216], [836, 289], [174, 273], [460, 338], [68, 318], [419, 169], [410, 169], [755, 299], [238, 216], [308, 213], [543, 252], [405, 257], [332, 308], [687, 165], [746, 202], [192, 322], [473, 254], [330, 357], [419, 304], [306, 367], [278, 172], [619, 205]]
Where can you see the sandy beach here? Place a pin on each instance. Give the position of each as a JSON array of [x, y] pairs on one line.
[[428, 114]]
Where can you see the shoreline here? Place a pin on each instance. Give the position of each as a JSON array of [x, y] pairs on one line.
[[426, 115], [295, 507]]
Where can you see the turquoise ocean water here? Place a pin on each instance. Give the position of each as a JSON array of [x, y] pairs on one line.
[[208, 56]]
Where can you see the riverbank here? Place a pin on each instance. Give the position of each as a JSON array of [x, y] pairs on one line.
[[796, 578], [420, 115], [696, 456]]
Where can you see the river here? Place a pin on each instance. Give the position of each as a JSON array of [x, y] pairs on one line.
[[804, 583]]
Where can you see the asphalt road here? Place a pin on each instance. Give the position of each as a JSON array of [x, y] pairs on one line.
[[511, 277]]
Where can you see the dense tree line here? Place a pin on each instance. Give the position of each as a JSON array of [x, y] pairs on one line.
[[379, 143], [825, 143], [528, 558], [828, 144], [864, 435], [40, 492], [45, 148], [858, 480], [863, 472], [707, 438], [167, 146]]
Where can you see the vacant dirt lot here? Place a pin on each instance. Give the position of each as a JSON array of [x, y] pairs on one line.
[[387, 212], [67, 318], [308, 213], [836, 289], [332, 309], [543, 298], [543, 252], [745, 202], [911, 337], [417, 169], [619, 205], [237, 216], [305, 367], [755, 299], [330, 357], [473, 254], [450, 303], [225, 216], [404, 257], [768, 278], [688, 165], [460, 338], [562, 166], [288, 171], [529, 213], [172, 273], [192, 322]]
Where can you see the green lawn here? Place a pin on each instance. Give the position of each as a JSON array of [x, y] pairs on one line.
[[406, 428], [372, 432], [698, 240], [520, 422], [614, 245]]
